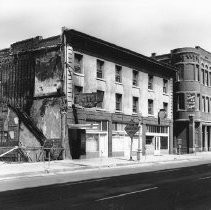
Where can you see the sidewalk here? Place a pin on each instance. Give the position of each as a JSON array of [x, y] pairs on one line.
[[17, 170]]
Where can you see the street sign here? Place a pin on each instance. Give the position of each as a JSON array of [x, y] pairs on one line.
[[131, 128]]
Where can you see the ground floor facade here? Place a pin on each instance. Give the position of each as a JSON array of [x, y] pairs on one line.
[[192, 136], [105, 135]]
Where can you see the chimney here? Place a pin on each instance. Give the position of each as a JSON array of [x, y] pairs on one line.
[[153, 55]]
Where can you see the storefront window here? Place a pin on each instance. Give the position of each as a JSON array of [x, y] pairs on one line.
[[149, 139], [163, 142]]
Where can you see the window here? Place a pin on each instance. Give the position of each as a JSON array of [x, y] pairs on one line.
[[165, 85], [100, 65], [78, 89], [149, 139], [181, 101], [135, 78], [180, 73], [198, 102], [207, 105], [118, 102], [163, 142], [100, 104], [150, 106], [78, 63], [203, 104], [206, 78], [150, 82], [202, 76], [135, 104], [198, 72], [118, 76], [210, 78], [165, 107]]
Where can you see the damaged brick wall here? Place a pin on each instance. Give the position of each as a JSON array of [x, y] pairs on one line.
[[17, 79], [48, 73], [9, 127]]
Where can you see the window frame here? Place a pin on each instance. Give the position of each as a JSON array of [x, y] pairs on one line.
[[135, 77], [100, 68], [118, 102], [79, 64], [101, 104], [135, 104], [165, 86], [118, 73], [150, 82], [150, 107]]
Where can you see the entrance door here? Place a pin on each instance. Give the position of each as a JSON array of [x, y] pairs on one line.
[[157, 145]]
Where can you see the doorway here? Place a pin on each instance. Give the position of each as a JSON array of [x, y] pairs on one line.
[[157, 145]]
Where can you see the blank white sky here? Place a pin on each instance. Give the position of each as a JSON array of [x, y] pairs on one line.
[[144, 26]]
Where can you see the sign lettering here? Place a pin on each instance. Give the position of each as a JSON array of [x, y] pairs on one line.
[[190, 101], [89, 100]]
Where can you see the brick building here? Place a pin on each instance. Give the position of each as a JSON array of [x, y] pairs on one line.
[[192, 114], [43, 81]]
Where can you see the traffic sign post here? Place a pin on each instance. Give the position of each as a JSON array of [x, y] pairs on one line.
[[131, 128]]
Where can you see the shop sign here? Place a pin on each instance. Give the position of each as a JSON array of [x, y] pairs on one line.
[[89, 100], [131, 128], [190, 101]]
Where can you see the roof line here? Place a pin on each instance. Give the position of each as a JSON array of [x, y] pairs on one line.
[[121, 48]]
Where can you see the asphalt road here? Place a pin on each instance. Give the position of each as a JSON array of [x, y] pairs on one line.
[[180, 188]]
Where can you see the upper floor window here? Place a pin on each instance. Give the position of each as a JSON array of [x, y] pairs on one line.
[[100, 104], [100, 65], [203, 104], [135, 104], [118, 102], [206, 78], [78, 89], [135, 78], [197, 73], [202, 76], [118, 74], [180, 73], [78, 63], [198, 107], [150, 82], [165, 85], [165, 107], [209, 78], [181, 101], [207, 104], [150, 106]]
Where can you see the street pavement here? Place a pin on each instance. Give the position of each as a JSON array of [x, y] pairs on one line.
[[10, 171]]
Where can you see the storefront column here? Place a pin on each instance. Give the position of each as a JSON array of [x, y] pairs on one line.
[[144, 129], [171, 142], [209, 140], [200, 137], [191, 145], [205, 138], [109, 138]]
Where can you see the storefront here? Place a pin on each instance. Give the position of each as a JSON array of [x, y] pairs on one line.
[[121, 141], [157, 140], [97, 139]]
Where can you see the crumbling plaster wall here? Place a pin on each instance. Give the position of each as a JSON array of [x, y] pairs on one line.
[[46, 115], [30, 145]]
